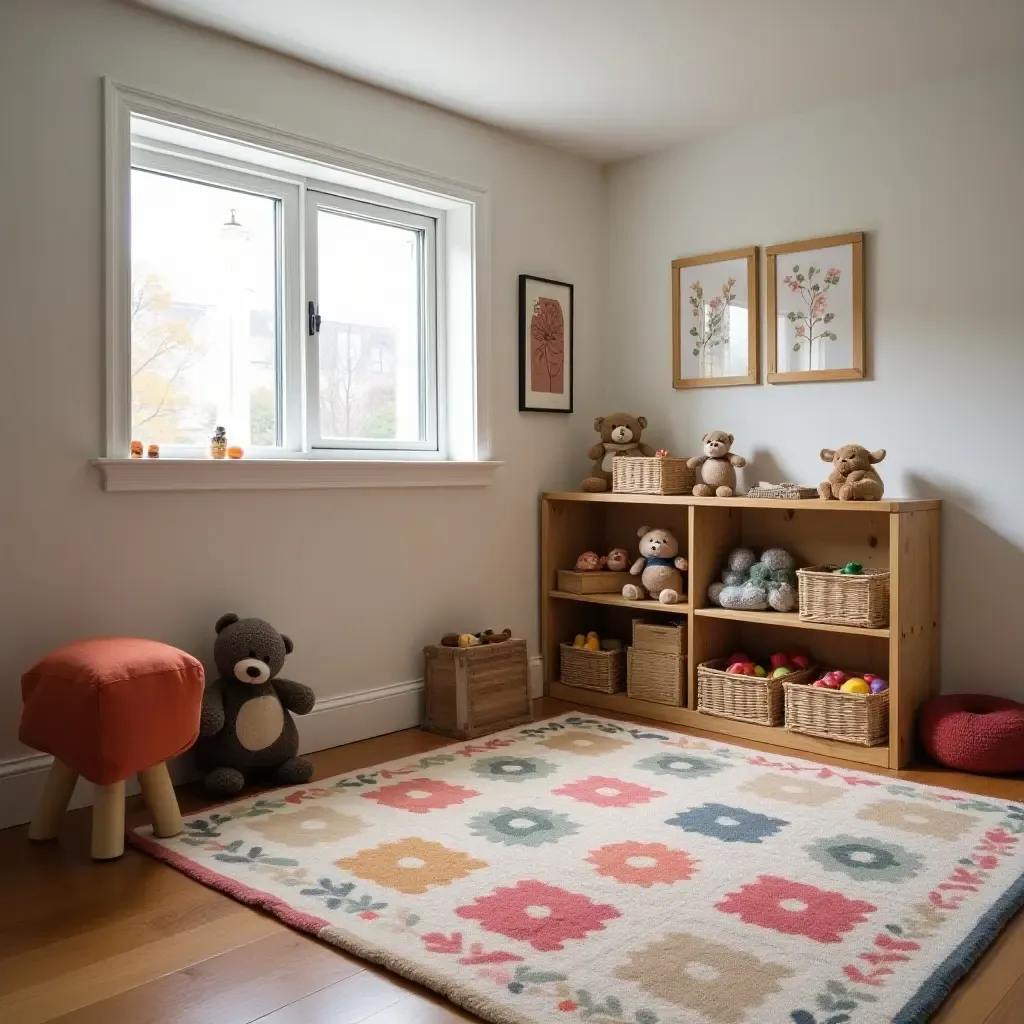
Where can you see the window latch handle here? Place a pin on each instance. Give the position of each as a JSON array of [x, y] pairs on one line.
[[314, 319]]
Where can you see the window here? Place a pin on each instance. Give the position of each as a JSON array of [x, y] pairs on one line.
[[311, 310]]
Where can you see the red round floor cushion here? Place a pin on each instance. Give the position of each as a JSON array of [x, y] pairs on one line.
[[974, 733]]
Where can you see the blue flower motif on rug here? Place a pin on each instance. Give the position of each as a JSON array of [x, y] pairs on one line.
[[864, 859], [522, 826], [513, 769], [682, 765], [730, 824]]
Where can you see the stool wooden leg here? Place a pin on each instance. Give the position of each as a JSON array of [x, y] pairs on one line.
[[108, 821], [60, 784], [163, 804]]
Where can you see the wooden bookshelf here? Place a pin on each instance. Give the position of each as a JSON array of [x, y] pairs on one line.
[[902, 536]]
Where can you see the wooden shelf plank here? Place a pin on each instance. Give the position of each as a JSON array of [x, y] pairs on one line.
[[791, 620], [682, 608], [796, 505], [775, 736]]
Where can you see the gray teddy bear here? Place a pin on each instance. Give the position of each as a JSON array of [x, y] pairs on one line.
[[246, 731], [756, 584]]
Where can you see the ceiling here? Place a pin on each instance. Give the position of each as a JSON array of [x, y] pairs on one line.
[[611, 79]]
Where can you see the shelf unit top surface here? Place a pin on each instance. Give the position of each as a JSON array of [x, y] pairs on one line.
[[809, 505]]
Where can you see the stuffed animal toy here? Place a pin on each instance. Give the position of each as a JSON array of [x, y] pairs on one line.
[[716, 467], [853, 476], [660, 568], [620, 435], [618, 560], [246, 729], [753, 584], [590, 561]]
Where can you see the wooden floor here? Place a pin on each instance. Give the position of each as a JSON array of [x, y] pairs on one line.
[[135, 942]]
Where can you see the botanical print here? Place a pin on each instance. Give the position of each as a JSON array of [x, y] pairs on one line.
[[547, 346], [810, 327], [539, 878], [710, 329]]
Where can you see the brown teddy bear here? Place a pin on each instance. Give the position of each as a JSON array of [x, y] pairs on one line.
[[853, 476], [620, 435], [660, 567], [717, 466]]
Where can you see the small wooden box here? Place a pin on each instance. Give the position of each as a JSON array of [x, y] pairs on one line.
[[600, 581], [647, 636], [473, 691]]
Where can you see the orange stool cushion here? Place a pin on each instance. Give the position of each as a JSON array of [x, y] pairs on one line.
[[110, 706]]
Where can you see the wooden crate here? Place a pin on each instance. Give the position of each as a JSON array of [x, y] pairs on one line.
[[649, 636], [600, 581], [473, 691], [657, 677]]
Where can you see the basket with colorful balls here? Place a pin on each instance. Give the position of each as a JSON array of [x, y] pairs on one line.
[[846, 682], [778, 666]]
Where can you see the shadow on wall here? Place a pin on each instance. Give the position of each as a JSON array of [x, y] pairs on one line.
[[761, 465], [982, 597]]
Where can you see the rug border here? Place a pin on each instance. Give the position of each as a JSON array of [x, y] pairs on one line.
[[917, 1010]]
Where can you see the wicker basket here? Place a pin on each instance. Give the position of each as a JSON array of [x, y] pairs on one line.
[[861, 718], [656, 677], [603, 671], [791, 492], [649, 636], [662, 475], [745, 698], [828, 596]]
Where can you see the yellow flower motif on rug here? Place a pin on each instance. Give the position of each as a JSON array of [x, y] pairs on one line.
[[411, 866], [590, 744], [919, 818], [308, 826]]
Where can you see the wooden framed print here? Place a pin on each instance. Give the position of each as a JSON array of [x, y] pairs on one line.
[[545, 345], [816, 309], [715, 319]]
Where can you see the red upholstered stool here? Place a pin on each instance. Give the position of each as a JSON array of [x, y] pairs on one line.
[[106, 708], [974, 733]]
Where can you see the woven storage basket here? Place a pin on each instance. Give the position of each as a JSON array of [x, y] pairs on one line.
[[790, 491], [745, 698], [603, 671], [657, 677], [861, 718], [648, 636], [651, 476], [828, 596]]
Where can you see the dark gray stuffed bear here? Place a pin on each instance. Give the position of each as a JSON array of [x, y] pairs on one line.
[[246, 733]]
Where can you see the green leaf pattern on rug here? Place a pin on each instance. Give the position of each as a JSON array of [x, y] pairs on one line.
[[234, 853], [337, 896]]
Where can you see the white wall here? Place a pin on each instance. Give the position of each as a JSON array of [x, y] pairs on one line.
[[76, 561], [933, 176]]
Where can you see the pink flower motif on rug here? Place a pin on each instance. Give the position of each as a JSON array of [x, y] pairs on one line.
[[605, 792], [796, 909], [643, 863], [421, 795], [542, 915]]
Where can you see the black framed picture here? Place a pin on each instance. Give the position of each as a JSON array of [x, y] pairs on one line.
[[545, 345]]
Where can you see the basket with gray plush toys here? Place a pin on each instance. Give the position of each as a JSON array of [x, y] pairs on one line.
[[750, 583]]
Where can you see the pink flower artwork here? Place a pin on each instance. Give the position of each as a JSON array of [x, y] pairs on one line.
[[547, 347], [605, 792], [540, 914], [794, 908], [421, 795], [810, 327]]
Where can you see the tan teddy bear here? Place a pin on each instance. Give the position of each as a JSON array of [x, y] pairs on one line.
[[717, 466], [660, 568], [853, 476], [620, 435]]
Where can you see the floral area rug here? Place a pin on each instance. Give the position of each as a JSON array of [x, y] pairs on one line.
[[582, 870]]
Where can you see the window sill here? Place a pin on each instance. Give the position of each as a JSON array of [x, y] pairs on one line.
[[286, 474]]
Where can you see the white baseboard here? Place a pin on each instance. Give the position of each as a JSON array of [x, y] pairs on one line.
[[333, 722]]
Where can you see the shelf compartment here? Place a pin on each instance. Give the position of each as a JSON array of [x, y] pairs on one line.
[[791, 620], [618, 601], [776, 736]]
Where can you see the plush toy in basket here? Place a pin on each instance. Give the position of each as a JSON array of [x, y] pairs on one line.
[[750, 583], [620, 436], [660, 568], [853, 476]]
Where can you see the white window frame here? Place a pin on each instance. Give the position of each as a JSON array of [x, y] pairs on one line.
[[460, 253]]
